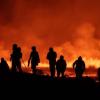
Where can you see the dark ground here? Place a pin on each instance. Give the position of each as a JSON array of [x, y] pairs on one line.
[[51, 87]]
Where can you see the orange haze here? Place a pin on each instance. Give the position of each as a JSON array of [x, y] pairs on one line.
[[72, 27]]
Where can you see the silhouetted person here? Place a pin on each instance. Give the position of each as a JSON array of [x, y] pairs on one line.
[[51, 56], [98, 73], [19, 55], [61, 66], [79, 66], [16, 58], [34, 59], [13, 57], [4, 67]]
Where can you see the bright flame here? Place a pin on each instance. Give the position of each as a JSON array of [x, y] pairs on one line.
[[71, 27], [89, 63]]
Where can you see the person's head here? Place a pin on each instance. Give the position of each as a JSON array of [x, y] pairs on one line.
[[51, 49], [79, 58], [19, 49], [61, 57], [33, 48], [14, 46], [2, 59]]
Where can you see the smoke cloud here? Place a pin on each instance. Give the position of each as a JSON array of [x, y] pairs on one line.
[[72, 27]]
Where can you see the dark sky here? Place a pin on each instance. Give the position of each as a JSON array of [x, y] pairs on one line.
[[72, 27]]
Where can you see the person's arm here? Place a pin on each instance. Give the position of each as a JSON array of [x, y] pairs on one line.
[[84, 65], [38, 58], [21, 55], [66, 64], [55, 54], [47, 56], [74, 64], [10, 57]]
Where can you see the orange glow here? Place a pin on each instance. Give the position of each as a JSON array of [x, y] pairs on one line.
[[72, 27], [91, 63]]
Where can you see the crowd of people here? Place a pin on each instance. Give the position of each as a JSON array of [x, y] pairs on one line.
[[59, 65]]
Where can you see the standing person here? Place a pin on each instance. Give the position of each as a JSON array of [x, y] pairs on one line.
[[19, 57], [34, 59], [16, 58], [13, 57], [79, 66], [51, 56], [61, 66], [4, 67]]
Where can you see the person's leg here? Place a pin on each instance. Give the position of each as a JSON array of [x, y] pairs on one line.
[[62, 74], [50, 70], [81, 74], [53, 70], [78, 75], [58, 74], [19, 67], [34, 69], [14, 66]]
